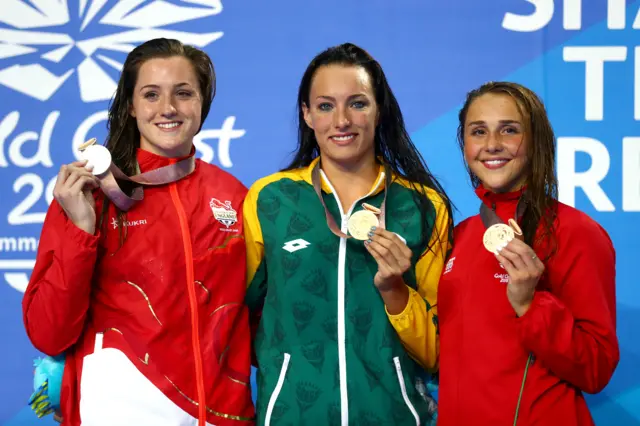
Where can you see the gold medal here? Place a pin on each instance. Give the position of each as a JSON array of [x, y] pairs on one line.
[[497, 235], [360, 224]]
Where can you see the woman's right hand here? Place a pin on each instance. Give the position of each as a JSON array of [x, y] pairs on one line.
[[73, 192]]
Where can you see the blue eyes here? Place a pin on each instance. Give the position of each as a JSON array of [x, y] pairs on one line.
[[181, 94], [325, 106]]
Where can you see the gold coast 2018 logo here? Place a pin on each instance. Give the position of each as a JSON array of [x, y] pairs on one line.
[[59, 65]]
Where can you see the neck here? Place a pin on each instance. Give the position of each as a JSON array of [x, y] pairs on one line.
[[178, 152], [494, 199], [350, 181], [510, 187]]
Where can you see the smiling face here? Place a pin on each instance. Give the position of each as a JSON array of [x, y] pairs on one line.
[[343, 114], [495, 143], [167, 106]]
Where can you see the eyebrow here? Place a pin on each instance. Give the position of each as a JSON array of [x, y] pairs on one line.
[[155, 86], [330, 98], [480, 122]]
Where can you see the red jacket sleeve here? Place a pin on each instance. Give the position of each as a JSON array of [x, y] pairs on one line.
[[57, 298], [571, 329]]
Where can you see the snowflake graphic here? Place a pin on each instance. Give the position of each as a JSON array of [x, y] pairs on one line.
[[29, 27]]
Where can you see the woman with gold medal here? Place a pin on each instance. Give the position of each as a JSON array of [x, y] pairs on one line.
[[344, 249]]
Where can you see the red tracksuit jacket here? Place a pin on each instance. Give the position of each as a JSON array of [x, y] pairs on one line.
[[569, 328], [170, 299]]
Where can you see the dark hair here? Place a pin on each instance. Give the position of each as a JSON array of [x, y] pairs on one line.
[[124, 137], [392, 141], [541, 183]]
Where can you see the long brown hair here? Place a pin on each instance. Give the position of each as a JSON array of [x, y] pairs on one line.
[[541, 183], [123, 135]]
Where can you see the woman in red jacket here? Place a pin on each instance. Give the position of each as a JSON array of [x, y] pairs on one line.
[[144, 295], [527, 323]]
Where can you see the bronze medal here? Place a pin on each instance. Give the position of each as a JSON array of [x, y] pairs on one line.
[[497, 235]]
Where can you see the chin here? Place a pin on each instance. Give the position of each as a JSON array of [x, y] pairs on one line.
[[347, 154], [172, 149], [500, 187]]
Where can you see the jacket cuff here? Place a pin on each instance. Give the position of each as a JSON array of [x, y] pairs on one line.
[[537, 318], [79, 236], [404, 319], [540, 300]]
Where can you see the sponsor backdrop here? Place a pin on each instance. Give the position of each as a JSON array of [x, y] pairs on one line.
[[60, 59]]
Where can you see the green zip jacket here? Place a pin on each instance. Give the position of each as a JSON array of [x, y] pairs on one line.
[[327, 351]]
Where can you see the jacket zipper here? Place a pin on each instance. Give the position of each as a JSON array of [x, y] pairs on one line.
[[403, 389], [277, 390], [342, 261], [195, 333]]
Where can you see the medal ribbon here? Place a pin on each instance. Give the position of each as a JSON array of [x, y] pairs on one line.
[[316, 179], [490, 218], [161, 176]]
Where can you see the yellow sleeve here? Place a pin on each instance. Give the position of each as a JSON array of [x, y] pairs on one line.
[[256, 271], [417, 324]]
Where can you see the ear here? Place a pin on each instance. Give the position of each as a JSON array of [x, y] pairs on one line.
[[132, 112], [307, 115]]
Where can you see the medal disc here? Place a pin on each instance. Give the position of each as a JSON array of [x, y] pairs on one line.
[[99, 157], [360, 224], [497, 235]]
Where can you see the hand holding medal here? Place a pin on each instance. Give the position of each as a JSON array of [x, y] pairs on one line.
[[518, 259], [387, 248], [73, 191], [98, 160]]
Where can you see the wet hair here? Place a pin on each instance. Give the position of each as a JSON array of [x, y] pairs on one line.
[[541, 183], [123, 137], [392, 141]]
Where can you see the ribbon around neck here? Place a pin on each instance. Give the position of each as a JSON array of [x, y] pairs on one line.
[[108, 175], [316, 179]]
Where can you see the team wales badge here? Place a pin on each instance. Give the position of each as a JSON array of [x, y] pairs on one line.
[[224, 213]]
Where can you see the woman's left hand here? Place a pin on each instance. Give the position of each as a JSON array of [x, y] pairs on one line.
[[393, 257], [524, 269]]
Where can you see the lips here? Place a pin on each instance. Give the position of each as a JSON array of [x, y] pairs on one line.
[[172, 125], [343, 138], [495, 163]]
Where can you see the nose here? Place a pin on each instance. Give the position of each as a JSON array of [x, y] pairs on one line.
[[168, 107], [342, 119], [494, 144]]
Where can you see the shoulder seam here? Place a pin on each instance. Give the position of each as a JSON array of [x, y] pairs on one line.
[[262, 183]]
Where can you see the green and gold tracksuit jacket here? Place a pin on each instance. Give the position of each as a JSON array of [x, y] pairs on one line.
[[328, 353]]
